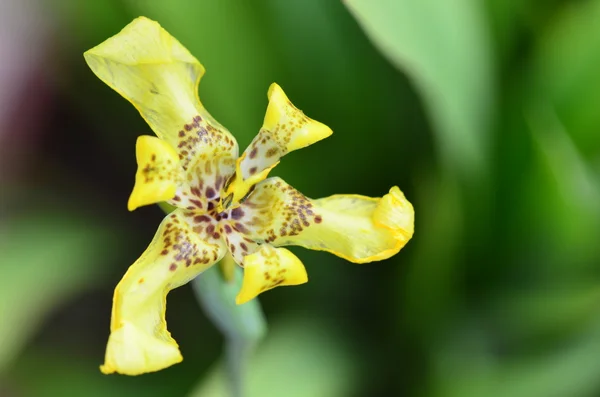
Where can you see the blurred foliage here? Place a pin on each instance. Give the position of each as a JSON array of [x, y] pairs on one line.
[[484, 113], [303, 338], [58, 253], [444, 47]]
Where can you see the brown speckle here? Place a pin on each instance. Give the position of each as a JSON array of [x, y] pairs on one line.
[[253, 153], [197, 203], [271, 152], [201, 218], [240, 228], [237, 213]]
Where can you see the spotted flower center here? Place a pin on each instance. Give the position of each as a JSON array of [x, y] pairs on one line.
[[207, 161]]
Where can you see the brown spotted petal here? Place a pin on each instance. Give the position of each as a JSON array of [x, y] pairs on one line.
[[357, 228], [159, 76], [139, 341], [267, 268], [285, 129], [158, 173], [239, 244]]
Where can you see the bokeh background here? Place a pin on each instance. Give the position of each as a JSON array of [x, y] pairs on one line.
[[485, 113]]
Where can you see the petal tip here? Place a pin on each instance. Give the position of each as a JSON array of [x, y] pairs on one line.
[[132, 204], [132, 352], [241, 299], [268, 268], [396, 213], [318, 131], [146, 194], [107, 369], [275, 89], [303, 132]]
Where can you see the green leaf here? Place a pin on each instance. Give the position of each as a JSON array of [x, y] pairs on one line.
[[567, 196], [45, 259], [444, 47], [562, 114], [565, 72]]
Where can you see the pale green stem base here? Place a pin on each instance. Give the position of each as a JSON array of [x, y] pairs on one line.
[[242, 325]]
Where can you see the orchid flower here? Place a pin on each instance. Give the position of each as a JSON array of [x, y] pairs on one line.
[[226, 204]]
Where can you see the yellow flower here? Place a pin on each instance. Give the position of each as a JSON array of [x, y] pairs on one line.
[[225, 202]]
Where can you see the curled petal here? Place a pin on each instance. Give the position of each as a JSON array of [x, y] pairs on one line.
[[357, 228], [362, 229], [139, 341], [159, 76], [395, 213], [267, 268], [285, 129], [158, 172]]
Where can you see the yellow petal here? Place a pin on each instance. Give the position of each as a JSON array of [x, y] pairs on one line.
[[368, 229], [287, 125], [395, 213], [159, 76], [357, 228], [285, 129], [158, 172], [139, 341], [267, 268]]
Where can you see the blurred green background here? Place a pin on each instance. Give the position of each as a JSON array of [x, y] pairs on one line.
[[485, 113]]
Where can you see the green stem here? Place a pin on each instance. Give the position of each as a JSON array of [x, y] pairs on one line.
[[243, 326]]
